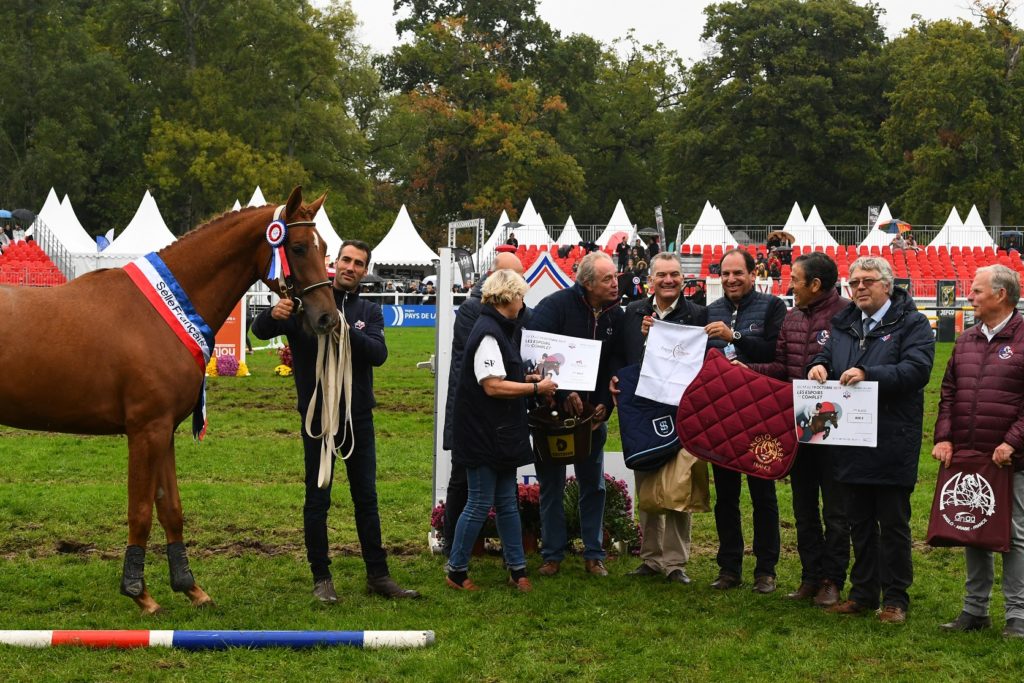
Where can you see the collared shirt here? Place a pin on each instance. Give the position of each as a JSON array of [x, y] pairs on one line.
[[991, 332], [660, 313], [878, 315]]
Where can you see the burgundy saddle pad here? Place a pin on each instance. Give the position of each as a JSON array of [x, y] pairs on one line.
[[738, 419]]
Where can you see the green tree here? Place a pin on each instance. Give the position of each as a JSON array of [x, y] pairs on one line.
[[788, 109], [957, 101]]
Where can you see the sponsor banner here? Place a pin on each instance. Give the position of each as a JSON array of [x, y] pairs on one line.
[[230, 340], [409, 316]]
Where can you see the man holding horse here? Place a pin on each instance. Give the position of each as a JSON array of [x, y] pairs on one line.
[[822, 534], [368, 350]]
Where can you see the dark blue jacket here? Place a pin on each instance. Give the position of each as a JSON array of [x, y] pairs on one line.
[[758, 320], [488, 430], [465, 318], [366, 330], [898, 354], [567, 312], [630, 341]]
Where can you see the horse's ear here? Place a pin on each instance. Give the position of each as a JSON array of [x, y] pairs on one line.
[[317, 203], [294, 203]]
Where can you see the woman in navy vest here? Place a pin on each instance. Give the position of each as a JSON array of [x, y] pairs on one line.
[[491, 437]]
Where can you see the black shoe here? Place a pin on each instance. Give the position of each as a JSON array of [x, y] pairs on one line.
[[323, 590], [643, 570], [764, 584], [1014, 628], [967, 622], [725, 581], [386, 587], [678, 576]]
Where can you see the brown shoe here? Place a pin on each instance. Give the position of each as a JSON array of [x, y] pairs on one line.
[[764, 584], [806, 590], [848, 607], [828, 594], [523, 585], [725, 581], [892, 615], [549, 568], [595, 567], [467, 585], [386, 587]]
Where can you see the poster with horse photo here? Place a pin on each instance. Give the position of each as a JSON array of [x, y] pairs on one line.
[[831, 414], [570, 361]]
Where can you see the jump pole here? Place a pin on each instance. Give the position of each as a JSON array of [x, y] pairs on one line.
[[217, 640]]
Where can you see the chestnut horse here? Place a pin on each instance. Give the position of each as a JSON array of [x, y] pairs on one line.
[[94, 356]]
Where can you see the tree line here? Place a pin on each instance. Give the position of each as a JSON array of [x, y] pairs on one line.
[[483, 104]]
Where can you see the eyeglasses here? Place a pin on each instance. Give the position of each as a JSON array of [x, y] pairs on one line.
[[868, 282]]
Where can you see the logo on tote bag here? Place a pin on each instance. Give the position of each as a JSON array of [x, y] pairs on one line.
[[967, 501]]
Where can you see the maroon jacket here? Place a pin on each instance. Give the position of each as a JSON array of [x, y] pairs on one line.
[[982, 399], [803, 335]]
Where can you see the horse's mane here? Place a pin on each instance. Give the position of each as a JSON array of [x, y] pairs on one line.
[[212, 222]]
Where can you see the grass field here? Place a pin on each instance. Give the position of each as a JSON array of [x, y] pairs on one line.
[[63, 530]]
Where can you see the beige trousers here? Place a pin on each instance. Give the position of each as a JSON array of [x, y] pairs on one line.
[[666, 544]]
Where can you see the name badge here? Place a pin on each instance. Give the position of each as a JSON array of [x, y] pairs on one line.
[[730, 352]]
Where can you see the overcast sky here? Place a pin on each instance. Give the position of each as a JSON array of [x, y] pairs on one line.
[[676, 23]]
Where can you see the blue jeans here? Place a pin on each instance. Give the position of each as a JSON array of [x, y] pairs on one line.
[[487, 487], [554, 538]]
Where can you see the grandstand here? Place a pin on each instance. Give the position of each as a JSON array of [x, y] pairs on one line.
[[26, 264], [923, 267]]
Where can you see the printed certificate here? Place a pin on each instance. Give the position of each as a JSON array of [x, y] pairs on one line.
[[570, 361], [830, 414]]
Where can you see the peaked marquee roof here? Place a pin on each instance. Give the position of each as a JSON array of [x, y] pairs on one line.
[[403, 246], [570, 235], [327, 231], [619, 222], [876, 237], [710, 229], [145, 233], [970, 233]]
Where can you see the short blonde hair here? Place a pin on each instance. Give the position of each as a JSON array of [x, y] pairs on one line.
[[502, 287]]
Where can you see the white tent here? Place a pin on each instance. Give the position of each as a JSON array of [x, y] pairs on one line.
[[326, 230], [796, 221], [710, 229], [237, 206], [145, 233], [531, 229], [570, 235], [403, 246], [970, 233], [52, 215], [619, 222], [72, 233], [876, 237], [498, 236], [818, 234], [257, 198]]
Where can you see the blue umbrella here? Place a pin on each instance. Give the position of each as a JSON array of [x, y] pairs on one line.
[[4, 213]]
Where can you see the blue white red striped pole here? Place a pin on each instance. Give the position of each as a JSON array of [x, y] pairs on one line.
[[218, 640]]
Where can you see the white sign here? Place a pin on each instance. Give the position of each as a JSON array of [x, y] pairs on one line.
[[831, 414], [570, 361], [673, 356]]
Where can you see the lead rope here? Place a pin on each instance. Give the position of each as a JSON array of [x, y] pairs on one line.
[[333, 378]]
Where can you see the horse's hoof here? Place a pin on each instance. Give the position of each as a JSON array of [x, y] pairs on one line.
[[198, 597], [147, 605]]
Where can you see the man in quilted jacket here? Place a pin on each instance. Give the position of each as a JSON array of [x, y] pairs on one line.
[[745, 325], [589, 310], [981, 410], [880, 337], [822, 533], [666, 537]]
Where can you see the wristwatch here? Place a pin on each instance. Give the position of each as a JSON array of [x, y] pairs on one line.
[[736, 336]]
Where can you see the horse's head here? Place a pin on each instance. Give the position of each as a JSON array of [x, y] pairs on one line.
[[303, 271]]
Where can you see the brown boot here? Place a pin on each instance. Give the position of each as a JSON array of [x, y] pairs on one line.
[[827, 595], [805, 591], [595, 567], [549, 568]]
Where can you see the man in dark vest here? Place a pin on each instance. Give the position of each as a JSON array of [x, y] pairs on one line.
[[744, 324]]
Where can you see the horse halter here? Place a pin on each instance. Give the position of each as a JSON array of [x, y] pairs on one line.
[[278, 268]]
